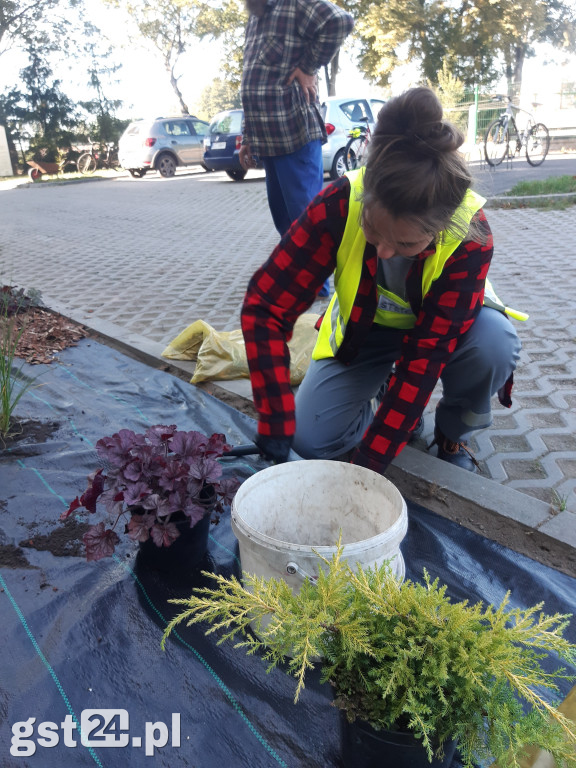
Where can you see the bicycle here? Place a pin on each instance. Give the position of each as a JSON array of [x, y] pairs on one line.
[[96, 159], [535, 138], [356, 151]]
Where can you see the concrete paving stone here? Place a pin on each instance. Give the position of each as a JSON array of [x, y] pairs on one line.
[[561, 526]]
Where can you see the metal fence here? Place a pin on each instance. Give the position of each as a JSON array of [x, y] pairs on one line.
[[473, 111]]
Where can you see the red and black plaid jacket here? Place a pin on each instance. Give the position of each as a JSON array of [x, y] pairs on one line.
[[285, 287]]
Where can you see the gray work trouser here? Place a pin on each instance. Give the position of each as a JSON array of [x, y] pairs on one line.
[[334, 403]]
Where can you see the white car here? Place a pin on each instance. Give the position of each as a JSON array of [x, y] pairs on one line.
[[340, 116], [162, 145]]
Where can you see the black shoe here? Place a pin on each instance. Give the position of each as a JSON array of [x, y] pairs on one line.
[[457, 454]]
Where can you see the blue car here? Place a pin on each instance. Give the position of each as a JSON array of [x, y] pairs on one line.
[[222, 143]]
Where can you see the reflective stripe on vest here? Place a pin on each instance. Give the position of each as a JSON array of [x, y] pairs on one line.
[[349, 270]]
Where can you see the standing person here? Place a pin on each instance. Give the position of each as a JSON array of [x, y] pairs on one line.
[[286, 43], [410, 248]]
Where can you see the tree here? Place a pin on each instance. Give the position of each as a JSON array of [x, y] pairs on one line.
[[226, 22], [107, 127], [216, 97], [170, 27], [475, 38], [24, 21], [39, 111], [518, 25]]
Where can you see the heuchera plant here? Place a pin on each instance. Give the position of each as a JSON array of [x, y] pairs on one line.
[[150, 478]]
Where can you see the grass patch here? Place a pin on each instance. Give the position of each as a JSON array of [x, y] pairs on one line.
[[555, 185], [542, 203], [525, 194]]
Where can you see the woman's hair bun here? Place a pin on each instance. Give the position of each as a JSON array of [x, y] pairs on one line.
[[413, 167], [416, 118]]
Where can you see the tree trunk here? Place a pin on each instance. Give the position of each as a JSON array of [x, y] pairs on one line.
[[331, 76], [514, 66], [177, 91], [519, 54]]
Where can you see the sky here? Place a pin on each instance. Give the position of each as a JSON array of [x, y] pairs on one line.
[[144, 88]]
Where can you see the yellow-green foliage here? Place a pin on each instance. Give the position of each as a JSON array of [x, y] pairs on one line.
[[405, 654]]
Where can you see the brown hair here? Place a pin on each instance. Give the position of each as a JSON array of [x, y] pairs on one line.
[[413, 168]]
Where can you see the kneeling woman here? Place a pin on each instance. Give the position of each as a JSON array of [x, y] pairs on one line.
[[410, 248]]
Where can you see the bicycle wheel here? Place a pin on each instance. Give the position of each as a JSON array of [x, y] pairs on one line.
[[86, 163], [355, 153], [537, 144], [496, 143]]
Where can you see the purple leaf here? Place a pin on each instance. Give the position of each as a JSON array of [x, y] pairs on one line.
[[187, 445], [160, 506], [99, 543], [164, 535], [72, 508], [133, 470], [139, 527], [172, 474], [116, 449], [206, 469], [135, 492], [227, 489], [160, 434], [217, 445], [95, 488], [195, 510]]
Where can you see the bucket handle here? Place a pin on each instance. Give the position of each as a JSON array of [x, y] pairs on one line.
[[293, 568]]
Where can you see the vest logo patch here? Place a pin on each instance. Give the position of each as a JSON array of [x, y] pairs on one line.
[[389, 305]]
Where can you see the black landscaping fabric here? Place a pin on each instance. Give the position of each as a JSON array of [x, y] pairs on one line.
[[78, 636]]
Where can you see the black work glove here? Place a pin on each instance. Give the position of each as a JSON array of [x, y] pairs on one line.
[[274, 449]]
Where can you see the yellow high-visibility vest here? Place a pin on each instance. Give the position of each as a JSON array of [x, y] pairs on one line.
[[393, 311]]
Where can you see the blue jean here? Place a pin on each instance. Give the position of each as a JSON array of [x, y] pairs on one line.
[[334, 403], [292, 181]]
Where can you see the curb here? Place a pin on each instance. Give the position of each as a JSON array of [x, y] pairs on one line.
[[497, 512]]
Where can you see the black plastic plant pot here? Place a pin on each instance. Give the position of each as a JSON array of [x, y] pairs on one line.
[[365, 747], [188, 551]]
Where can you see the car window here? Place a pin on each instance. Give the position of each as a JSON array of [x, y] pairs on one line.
[[376, 105], [227, 122], [355, 110], [133, 129], [177, 128], [198, 127]]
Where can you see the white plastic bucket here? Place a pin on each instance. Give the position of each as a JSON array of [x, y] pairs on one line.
[[283, 513]]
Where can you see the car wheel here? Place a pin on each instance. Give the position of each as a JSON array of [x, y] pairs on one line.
[[166, 166], [338, 164], [137, 173], [237, 174]]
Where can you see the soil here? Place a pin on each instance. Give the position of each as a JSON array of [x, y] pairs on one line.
[[24, 436], [43, 334], [63, 541], [46, 333]]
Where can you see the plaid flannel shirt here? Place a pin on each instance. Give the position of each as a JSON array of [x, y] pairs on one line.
[[285, 287], [290, 34]]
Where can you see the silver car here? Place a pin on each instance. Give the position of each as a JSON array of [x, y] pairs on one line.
[[162, 145], [340, 116]]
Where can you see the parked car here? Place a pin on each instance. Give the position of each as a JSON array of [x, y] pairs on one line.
[[222, 143], [340, 116], [162, 144]]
